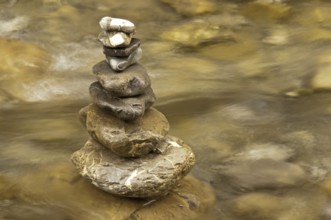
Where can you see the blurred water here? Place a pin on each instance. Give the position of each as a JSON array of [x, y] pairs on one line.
[[245, 83]]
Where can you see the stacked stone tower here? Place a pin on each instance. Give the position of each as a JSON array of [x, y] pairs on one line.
[[129, 152]]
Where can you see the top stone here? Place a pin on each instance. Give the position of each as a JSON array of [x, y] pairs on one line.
[[110, 24]]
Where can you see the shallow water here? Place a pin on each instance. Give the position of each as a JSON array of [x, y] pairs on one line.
[[245, 83]]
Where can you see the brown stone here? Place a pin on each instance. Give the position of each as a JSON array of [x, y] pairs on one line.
[[150, 176], [128, 139]]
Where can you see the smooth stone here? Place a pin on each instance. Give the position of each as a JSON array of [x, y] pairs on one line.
[[121, 63], [117, 24], [256, 206], [126, 139], [123, 108], [267, 174], [122, 52], [115, 39], [134, 81], [150, 176]]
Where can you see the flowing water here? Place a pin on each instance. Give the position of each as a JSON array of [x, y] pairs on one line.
[[245, 83]]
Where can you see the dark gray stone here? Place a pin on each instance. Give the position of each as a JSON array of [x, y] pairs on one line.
[[134, 81], [150, 176], [123, 108], [122, 52], [125, 138], [120, 64]]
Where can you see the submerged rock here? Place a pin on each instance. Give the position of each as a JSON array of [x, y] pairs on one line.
[[128, 139], [124, 108], [264, 174], [115, 39], [256, 206], [192, 7], [150, 176]]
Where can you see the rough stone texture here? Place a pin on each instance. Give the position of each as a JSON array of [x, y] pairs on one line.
[[134, 81], [128, 139], [264, 174], [150, 176], [123, 108], [115, 39], [59, 183], [122, 52], [121, 63], [117, 24]]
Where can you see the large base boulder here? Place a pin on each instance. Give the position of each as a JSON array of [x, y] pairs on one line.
[[150, 176]]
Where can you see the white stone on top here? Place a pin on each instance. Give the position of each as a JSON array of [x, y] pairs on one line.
[[117, 39], [116, 24]]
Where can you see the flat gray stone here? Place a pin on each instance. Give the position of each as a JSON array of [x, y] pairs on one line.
[[122, 52], [123, 108], [125, 138], [134, 81], [150, 176], [121, 63]]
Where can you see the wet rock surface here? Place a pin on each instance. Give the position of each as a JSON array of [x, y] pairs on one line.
[[129, 153], [128, 139], [134, 81], [128, 108], [149, 176]]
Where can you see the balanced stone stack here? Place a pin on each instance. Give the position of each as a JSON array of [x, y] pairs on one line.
[[129, 153]]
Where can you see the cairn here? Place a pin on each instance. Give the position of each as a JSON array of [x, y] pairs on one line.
[[129, 152]]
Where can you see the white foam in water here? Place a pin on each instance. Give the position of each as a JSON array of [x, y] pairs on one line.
[[73, 56], [54, 88], [8, 27]]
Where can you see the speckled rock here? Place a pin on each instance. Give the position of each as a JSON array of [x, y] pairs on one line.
[[128, 139], [115, 39], [122, 52], [264, 174], [150, 176], [124, 108], [117, 24], [121, 63], [133, 81]]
